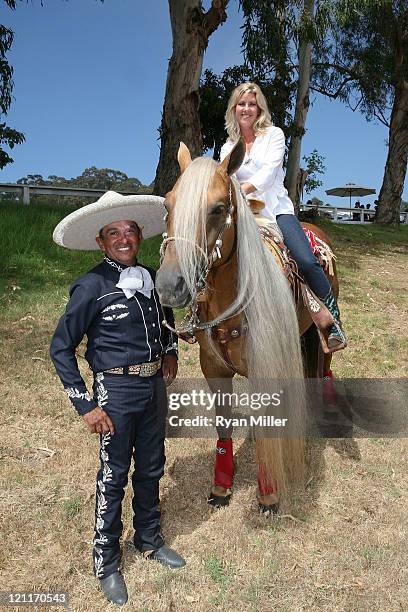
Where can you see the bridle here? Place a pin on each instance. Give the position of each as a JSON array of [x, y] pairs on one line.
[[191, 322]]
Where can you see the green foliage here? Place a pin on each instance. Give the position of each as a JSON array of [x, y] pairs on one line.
[[314, 166], [214, 94], [365, 56], [8, 136], [104, 178], [91, 178], [269, 36]]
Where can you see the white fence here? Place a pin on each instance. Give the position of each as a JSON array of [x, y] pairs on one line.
[[349, 215], [339, 215], [26, 190]]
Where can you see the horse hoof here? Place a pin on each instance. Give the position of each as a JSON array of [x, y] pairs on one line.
[[268, 510], [218, 501]]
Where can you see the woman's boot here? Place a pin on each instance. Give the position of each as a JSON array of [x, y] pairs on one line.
[[337, 339]]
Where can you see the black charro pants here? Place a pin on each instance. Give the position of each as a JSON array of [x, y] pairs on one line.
[[137, 407]]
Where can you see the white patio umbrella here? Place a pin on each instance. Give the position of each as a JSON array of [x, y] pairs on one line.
[[350, 189]]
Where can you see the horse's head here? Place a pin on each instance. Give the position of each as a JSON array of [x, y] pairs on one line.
[[199, 225]]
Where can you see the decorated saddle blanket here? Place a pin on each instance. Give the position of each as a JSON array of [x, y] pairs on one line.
[[273, 239]]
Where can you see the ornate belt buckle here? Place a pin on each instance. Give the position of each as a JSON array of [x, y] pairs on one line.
[[149, 369]]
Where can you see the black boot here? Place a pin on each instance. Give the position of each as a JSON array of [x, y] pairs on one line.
[[337, 339], [168, 557], [114, 588]]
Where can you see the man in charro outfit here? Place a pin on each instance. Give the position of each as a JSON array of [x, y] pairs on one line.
[[132, 357]]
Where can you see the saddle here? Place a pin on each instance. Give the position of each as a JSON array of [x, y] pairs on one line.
[[273, 239]]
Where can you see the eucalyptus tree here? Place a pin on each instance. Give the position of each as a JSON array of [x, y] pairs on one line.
[[267, 35], [191, 28], [8, 135], [365, 64], [278, 39]]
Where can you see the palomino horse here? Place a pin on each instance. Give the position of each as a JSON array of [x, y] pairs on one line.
[[242, 313]]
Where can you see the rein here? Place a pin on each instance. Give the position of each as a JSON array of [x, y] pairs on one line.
[[191, 321]]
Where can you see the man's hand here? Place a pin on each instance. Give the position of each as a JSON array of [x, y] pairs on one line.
[[169, 368], [98, 421]]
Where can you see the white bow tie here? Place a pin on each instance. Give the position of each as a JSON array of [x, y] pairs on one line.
[[135, 279]]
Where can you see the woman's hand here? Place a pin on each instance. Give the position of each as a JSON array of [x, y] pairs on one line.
[[247, 188]]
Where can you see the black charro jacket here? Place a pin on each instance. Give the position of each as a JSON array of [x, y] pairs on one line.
[[120, 331]]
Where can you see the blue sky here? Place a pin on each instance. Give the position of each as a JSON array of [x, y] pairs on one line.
[[89, 87]]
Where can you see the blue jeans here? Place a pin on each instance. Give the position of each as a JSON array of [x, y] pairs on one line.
[[299, 247]]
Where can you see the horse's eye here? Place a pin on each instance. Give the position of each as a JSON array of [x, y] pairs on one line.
[[218, 210]]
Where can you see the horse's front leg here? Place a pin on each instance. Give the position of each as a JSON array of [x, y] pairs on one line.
[[219, 379], [221, 489]]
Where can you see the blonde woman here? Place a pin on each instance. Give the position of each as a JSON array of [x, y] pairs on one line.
[[261, 175]]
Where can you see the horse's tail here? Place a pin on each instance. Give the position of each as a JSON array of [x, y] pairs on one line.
[[273, 354]]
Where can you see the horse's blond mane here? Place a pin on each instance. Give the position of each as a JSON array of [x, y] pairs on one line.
[[263, 293]]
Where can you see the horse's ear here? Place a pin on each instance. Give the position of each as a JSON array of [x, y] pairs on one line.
[[183, 156], [234, 160]]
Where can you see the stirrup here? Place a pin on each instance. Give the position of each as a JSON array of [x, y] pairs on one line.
[[337, 339], [336, 343], [333, 339]]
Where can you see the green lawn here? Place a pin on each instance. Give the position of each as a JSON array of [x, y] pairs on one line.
[[35, 270]]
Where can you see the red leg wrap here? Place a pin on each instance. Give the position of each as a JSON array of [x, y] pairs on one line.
[[266, 485], [329, 392], [224, 464]]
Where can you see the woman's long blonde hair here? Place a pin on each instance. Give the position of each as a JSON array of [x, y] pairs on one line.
[[264, 120]]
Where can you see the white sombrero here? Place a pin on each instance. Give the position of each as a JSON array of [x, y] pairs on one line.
[[77, 231]]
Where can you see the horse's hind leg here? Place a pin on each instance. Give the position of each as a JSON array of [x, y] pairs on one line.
[[268, 493], [268, 499]]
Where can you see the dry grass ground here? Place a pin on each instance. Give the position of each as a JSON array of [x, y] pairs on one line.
[[345, 549]]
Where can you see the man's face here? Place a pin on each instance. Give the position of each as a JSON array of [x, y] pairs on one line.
[[120, 241]]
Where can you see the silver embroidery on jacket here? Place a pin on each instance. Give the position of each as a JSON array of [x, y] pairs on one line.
[[114, 317], [74, 393], [114, 307]]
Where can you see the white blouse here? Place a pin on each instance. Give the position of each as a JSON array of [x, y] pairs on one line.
[[263, 168]]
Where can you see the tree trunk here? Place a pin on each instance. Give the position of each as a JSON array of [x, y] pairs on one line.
[[389, 200], [191, 29], [301, 109]]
